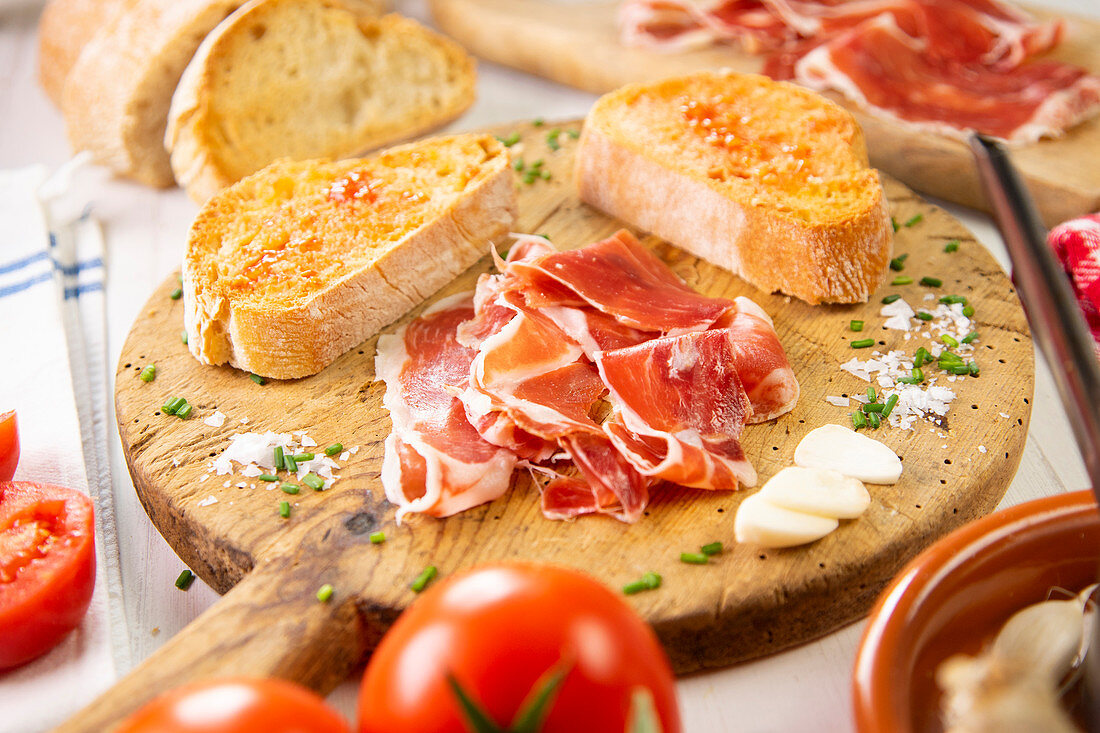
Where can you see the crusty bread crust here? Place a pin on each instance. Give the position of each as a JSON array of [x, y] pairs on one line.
[[65, 28], [213, 145], [282, 342], [828, 260]]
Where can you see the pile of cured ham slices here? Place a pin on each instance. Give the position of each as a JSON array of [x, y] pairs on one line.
[[597, 369], [946, 66]]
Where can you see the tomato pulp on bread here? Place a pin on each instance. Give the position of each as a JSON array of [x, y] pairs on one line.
[[47, 567]]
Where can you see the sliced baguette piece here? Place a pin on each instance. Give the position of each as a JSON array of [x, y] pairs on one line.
[[294, 265], [765, 179], [306, 79], [65, 28]]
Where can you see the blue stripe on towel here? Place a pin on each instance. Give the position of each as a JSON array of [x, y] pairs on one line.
[[79, 266], [20, 287], [21, 263], [77, 290]]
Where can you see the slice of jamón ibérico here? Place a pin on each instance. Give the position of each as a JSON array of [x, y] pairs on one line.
[[435, 462], [679, 409], [948, 66]]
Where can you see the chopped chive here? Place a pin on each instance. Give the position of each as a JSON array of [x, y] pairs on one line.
[[871, 394], [538, 163], [545, 175], [863, 343], [713, 548], [873, 407], [914, 220], [952, 246], [898, 263], [573, 133], [314, 482], [924, 315], [424, 578], [952, 299], [184, 412], [873, 419], [959, 369], [518, 165], [538, 122], [149, 373], [908, 380], [267, 477], [693, 558], [284, 509], [856, 325], [858, 420], [902, 280], [291, 464], [918, 358], [552, 139], [891, 402], [649, 581], [324, 593], [949, 340], [918, 374], [303, 457], [968, 310], [256, 378], [510, 140], [176, 294], [280, 460], [290, 488], [334, 449], [894, 224], [950, 358], [171, 406], [530, 177], [970, 337], [974, 370], [185, 579], [931, 282], [377, 538], [890, 299], [179, 279]]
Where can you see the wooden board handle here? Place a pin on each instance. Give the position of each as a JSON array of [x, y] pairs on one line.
[[269, 625]]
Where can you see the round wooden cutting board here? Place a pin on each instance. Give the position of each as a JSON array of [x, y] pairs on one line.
[[747, 602]]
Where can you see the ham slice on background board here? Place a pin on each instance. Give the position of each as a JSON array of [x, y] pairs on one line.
[[1077, 245], [528, 368], [946, 66]]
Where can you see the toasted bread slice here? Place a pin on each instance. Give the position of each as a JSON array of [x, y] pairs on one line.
[[763, 178], [65, 28], [308, 79], [116, 96], [294, 265]]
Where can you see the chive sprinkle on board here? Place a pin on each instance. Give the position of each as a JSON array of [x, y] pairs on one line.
[[425, 577], [377, 538], [185, 579], [862, 343], [693, 558], [324, 593], [334, 449], [149, 373], [284, 509]]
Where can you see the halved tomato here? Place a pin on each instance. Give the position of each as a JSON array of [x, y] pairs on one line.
[[9, 445], [47, 567]]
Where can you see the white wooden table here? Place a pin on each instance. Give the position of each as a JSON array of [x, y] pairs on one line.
[[805, 689]]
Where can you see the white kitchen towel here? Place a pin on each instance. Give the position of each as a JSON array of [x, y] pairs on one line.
[[52, 311]]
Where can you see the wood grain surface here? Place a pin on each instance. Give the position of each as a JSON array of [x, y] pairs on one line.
[[577, 44], [747, 602]]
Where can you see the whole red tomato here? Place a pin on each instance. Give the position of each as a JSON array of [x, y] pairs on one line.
[[236, 705], [9, 445], [47, 567], [500, 630]]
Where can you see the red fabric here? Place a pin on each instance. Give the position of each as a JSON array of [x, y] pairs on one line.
[[1077, 244]]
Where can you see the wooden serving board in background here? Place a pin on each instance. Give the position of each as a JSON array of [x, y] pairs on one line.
[[577, 44], [747, 602]]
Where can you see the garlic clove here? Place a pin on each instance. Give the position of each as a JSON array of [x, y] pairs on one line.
[[759, 522], [850, 453], [818, 491], [1044, 637]]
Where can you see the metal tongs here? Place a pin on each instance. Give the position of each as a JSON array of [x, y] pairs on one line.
[[1059, 328]]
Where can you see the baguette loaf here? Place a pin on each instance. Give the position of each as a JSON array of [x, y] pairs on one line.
[[763, 178], [294, 265], [308, 79], [65, 28]]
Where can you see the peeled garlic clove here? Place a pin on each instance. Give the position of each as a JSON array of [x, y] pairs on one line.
[[850, 453], [759, 522], [817, 491]]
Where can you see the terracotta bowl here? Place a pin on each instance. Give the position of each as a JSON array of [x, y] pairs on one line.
[[957, 594]]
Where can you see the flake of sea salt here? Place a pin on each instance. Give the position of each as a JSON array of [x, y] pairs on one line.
[[899, 313], [216, 420], [208, 501], [982, 449], [308, 442], [227, 484], [345, 455], [837, 400], [1005, 415]]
